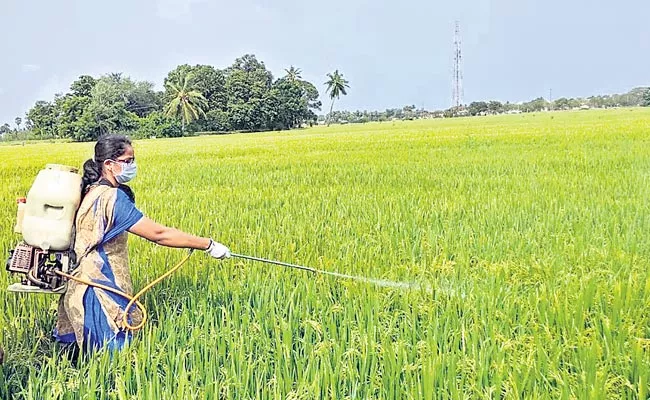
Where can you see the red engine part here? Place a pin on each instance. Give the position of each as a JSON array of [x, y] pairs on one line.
[[39, 268]]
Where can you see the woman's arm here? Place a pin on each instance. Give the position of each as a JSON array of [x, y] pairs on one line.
[[170, 237]]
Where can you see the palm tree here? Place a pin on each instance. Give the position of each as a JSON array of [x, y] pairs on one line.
[[185, 100], [336, 86], [293, 73]]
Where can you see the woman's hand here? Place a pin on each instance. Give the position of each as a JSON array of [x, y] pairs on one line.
[[218, 251]]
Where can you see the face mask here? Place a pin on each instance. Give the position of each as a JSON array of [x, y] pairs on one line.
[[128, 172]]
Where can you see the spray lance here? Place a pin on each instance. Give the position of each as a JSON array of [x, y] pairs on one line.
[[264, 260], [377, 282]]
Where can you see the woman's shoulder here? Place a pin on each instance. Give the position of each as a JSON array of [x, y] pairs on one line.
[[108, 197], [99, 191], [96, 194], [126, 191]]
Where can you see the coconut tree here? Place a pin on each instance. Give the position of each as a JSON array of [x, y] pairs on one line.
[[336, 86], [293, 73], [184, 100]]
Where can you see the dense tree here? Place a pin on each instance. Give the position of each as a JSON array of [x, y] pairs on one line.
[[138, 98], [294, 102], [248, 83], [538, 104], [69, 110], [18, 122], [408, 113], [83, 86], [336, 86], [115, 104], [41, 119], [561, 104], [634, 97], [599, 101], [217, 121], [646, 98], [478, 108], [157, 124], [310, 96], [495, 107]]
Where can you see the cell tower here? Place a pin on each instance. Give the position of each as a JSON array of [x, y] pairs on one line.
[[457, 100]]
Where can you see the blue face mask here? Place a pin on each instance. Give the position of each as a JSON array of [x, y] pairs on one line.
[[129, 172]]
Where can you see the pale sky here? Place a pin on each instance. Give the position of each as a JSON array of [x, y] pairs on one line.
[[393, 53]]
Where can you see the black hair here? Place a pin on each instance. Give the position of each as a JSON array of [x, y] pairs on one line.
[[108, 147]]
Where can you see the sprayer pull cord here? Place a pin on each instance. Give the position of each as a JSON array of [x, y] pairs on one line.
[[133, 300]]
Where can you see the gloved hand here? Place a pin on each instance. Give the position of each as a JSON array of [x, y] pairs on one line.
[[217, 250]]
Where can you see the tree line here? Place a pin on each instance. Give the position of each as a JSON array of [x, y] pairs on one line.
[[196, 98], [242, 97], [636, 97]]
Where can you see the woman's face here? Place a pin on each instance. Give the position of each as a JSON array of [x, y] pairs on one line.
[[115, 167]]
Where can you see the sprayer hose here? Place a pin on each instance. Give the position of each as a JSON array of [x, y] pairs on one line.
[[133, 300]]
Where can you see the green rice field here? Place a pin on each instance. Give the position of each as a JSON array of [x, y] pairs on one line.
[[519, 249]]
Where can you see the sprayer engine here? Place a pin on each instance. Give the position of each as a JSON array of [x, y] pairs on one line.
[[38, 269]]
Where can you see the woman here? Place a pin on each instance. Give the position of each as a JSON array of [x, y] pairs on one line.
[[89, 316]]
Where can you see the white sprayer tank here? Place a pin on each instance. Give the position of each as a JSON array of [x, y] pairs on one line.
[[51, 207]]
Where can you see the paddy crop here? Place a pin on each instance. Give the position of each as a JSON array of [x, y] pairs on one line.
[[523, 240]]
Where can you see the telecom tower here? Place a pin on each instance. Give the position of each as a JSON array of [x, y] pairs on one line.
[[457, 100]]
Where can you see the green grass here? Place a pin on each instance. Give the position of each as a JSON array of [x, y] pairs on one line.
[[532, 231]]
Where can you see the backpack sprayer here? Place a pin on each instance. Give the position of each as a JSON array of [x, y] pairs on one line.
[[46, 221], [45, 259]]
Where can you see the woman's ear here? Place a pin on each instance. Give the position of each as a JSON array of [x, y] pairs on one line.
[[106, 166]]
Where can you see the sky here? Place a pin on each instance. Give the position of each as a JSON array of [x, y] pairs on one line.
[[393, 53]]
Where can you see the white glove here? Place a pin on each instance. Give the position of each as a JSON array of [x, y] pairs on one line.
[[217, 250]]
